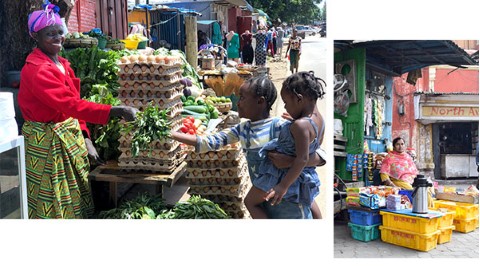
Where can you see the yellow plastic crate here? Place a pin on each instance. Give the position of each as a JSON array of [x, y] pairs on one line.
[[462, 210], [466, 226], [445, 234], [409, 223], [422, 242], [447, 219]]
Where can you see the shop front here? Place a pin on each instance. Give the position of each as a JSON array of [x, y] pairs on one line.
[[449, 148]]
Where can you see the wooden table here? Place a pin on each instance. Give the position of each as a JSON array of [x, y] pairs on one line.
[[114, 174]]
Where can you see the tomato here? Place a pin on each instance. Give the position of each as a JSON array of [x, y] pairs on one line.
[[191, 131], [184, 129], [191, 118], [188, 124]]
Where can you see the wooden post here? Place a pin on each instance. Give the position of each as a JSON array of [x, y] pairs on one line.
[[192, 40]]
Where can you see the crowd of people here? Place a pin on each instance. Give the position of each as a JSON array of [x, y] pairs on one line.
[[255, 44]]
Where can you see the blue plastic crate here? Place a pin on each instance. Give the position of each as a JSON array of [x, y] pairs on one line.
[[364, 233], [365, 217]]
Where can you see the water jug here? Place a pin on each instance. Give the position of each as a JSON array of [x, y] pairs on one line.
[[420, 195]]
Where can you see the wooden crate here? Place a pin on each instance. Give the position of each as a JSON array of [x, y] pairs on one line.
[[114, 174]]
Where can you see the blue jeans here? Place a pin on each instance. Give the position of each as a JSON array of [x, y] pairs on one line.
[[287, 210]]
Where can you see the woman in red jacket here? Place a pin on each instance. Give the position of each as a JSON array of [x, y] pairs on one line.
[[56, 136]]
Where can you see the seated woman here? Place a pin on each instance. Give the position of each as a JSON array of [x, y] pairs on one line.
[[398, 168]]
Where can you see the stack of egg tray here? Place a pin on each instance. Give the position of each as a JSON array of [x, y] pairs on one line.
[[222, 177], [143, 80]]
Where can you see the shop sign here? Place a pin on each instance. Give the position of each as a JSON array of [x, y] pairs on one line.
[[449, 111]]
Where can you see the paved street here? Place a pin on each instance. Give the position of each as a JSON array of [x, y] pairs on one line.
[[461, 245]]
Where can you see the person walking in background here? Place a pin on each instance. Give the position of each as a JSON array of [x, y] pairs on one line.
[[260, 51], [57, 140], [280, 36], [247, 51], [295, 49]]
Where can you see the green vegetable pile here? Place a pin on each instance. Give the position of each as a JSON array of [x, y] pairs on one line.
[[198, 108], [196, 207], [153, 207], [150, 125], [143, 206]]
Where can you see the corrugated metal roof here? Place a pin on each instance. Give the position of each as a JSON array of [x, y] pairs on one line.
[[396, 57]]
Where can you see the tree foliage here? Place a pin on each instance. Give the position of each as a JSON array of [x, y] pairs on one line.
[[290, 11]]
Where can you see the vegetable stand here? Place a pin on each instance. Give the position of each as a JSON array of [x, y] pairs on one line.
[[113, 174]]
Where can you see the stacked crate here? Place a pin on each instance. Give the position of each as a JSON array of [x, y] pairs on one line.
[[364, 223], [152, 79], [222, 177], [415, 232], [465, 215]]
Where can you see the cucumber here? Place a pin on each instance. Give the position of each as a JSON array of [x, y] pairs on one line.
[[197, 108], [202, 117]]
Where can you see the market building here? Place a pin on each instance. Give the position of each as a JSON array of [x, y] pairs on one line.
[[375, 102]]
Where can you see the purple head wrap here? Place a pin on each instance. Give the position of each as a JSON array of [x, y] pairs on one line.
[[40, 19]]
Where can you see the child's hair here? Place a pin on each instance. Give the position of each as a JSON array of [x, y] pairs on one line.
[[305, 83], [263, 87]]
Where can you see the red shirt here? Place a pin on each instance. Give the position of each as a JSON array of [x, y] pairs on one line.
[[47, 95]]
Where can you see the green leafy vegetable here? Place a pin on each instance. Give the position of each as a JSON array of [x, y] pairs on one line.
[[150, 125]]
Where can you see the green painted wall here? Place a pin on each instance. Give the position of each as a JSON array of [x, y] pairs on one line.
[[353, 123]]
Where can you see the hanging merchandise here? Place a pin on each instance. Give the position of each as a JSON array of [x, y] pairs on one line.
[[370, 166], [367, 115], [341, 96], [378, 117], [350, 158], [360, 166], [355, 168]]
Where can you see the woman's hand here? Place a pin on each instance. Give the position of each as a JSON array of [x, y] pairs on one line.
[[126, 112], [92, 152], [276, 194]]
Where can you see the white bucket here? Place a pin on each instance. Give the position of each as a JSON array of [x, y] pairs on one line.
[[8, 129], [7, 110]]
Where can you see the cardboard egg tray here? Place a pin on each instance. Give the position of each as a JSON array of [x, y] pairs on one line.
[[214, 163], [175, 108], [224, 198], [214, 181], [163, 144], [150, 164], [224, 173], [144, 68], [147, 85], [225, 154], [157, 154], [154, 79], [238, 214], [173, 93], [234, 190], [175, 62], [161, 103], [146, 72]]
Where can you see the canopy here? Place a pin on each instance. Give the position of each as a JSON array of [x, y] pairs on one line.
[[397, 57], [205, 22]]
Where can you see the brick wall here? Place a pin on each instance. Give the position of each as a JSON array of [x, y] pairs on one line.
[[82, 18]]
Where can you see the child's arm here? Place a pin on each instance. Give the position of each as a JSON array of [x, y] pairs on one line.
[[300, 130], [285, 161], [210, 142]]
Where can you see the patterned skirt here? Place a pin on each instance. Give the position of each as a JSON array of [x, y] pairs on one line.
[[57, 171]]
